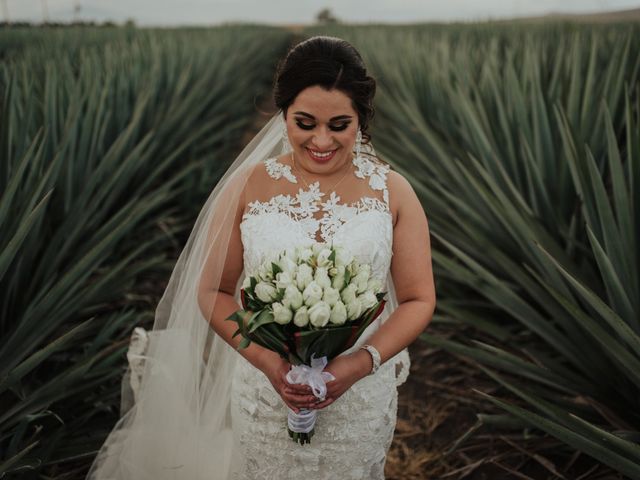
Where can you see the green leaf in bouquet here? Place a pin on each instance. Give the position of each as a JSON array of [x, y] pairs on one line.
[[244, 343], [271, 336], [239, 317], [264, 317], [368, 317], [332, 341], [250, 302], [332, 257], [275, 269], [347, 276], [253, 282], [325, 342]]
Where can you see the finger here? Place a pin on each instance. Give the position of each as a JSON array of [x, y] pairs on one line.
[[299, 388], [327, 401], [332, 390], [300, 400]]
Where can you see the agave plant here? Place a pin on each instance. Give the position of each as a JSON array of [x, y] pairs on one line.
[[107, 151], [524, 144]]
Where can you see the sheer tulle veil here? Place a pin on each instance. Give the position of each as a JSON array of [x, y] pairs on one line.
[[179, 426]]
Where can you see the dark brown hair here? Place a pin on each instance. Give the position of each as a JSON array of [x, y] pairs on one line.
[[329, 62]]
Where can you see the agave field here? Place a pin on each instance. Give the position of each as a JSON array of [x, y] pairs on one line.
[[524, 146], [110, 141], [522, 142]]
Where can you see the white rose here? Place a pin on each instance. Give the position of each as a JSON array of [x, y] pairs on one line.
[[354, 309], [338, 313], [349, 293], [281, 314], [338, 278], [374, 285], [266, 292], [304, 276], [304, 254], [343, 257], [317, 248], [361, 280], [292, 297], [367, 299], [322, 277], [301, 317], [331, 296], [312, 294], [265, 272], [365, 267], [319, 314], [292, 254], [287, 264], [283, 279], [246, 283], [323, 258], [352, 268]]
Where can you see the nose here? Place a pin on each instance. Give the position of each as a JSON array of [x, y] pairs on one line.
[[323, 140]]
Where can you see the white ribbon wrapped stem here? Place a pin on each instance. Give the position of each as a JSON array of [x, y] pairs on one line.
[[313, 376]]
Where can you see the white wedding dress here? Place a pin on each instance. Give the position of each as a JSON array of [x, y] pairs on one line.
[[353, 434]]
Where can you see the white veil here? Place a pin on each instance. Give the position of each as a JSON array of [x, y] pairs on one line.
[[180, 424]]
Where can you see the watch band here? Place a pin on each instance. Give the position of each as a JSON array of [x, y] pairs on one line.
[[375, 355]]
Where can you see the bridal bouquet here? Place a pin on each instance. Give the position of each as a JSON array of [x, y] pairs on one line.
[[308, 305]]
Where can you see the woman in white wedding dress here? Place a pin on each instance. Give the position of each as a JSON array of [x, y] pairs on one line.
[[205, 410]]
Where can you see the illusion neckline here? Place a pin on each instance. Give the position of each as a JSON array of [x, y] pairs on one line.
[[376, 173]]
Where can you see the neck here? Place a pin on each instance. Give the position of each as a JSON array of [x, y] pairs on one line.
[[335, 170]]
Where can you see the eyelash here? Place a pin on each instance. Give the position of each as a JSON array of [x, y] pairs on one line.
[[335, 129]]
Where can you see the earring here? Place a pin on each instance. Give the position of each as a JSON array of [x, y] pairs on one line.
[[286, 147], [358, 144]]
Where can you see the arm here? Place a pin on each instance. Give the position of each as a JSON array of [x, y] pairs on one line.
[[217, 302], [217, 299], [411, 269], [413, 280]]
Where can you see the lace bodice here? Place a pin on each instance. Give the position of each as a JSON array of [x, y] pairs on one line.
[[286, 220]]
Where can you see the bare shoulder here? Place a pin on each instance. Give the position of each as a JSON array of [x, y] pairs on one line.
[[402, 196], [257, 175]]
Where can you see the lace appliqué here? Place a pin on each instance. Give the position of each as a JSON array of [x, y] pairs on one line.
[[305, 204], [276, 170], [376, 172]]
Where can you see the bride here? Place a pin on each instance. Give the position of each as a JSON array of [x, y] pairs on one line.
[[205, 410]]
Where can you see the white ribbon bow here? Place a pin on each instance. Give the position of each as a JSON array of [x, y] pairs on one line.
[[312, 375]]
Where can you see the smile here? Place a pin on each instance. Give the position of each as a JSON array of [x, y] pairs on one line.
[[321, 156]]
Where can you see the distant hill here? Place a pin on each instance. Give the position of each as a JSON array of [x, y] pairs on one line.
[[630, 15]]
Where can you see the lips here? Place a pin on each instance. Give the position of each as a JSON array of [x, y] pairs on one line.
[[325, 158]]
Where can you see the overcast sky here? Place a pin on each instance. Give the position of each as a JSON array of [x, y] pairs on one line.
[[208, 12]]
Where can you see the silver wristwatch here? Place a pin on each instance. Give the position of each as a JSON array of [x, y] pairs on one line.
[[375, 355]]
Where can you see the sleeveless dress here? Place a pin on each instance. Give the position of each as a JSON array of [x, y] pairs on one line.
[[353, 434]]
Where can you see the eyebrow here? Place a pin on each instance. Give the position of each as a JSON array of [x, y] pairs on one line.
[[339, 117]]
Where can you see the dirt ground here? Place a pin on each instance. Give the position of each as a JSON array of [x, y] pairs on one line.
[[436, 406]]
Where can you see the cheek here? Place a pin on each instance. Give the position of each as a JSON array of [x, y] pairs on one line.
[[298, 135], [348, 137]]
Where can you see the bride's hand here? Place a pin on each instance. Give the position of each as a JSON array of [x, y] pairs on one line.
[[294, 396], [347, 369]]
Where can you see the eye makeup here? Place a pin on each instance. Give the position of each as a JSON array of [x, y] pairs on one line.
[[335, 128]]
